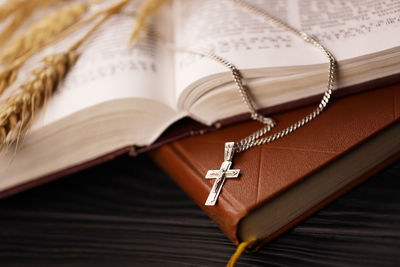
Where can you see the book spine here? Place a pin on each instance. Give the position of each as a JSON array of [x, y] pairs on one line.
[[185, 176]]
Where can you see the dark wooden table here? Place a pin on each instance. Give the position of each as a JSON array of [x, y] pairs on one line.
[[127, 212]]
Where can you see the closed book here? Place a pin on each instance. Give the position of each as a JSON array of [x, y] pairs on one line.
[[284, 181]]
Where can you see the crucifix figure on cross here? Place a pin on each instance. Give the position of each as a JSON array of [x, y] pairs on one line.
[[221, 174]]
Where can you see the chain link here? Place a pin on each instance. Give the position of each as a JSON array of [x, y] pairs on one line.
[[244, 92], [255, 138]]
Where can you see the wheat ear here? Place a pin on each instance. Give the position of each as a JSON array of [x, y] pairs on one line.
[[43, 30], [147, 9], [20, 108]]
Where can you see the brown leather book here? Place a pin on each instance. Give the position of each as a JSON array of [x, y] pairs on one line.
[[283, 182]]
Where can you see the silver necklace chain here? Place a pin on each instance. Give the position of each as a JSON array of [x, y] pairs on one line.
[[255, 139]]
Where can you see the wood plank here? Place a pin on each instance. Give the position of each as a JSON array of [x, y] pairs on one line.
[[127, 212]]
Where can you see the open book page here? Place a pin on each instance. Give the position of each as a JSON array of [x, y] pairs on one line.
[[108, 69], [348, 29]]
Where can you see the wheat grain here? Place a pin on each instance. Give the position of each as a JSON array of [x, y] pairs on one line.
[[43, 30], [17, 20], [16, 114], [11, 6], [7, 77]]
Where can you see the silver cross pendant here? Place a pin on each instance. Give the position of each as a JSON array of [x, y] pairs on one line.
[[221, 174]]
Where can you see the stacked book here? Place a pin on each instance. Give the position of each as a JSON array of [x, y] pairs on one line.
[[183, 107]]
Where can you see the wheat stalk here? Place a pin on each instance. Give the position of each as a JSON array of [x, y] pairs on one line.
[[147, 9], [43, 30]]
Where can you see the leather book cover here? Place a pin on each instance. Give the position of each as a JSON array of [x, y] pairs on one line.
[[270, 169]]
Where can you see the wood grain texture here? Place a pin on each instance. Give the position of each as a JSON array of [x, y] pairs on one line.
[[127, 212]]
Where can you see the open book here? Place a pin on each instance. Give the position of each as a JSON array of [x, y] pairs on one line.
[[117, 96]]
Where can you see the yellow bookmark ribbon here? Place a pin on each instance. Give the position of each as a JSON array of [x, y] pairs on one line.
[[242, 246]]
